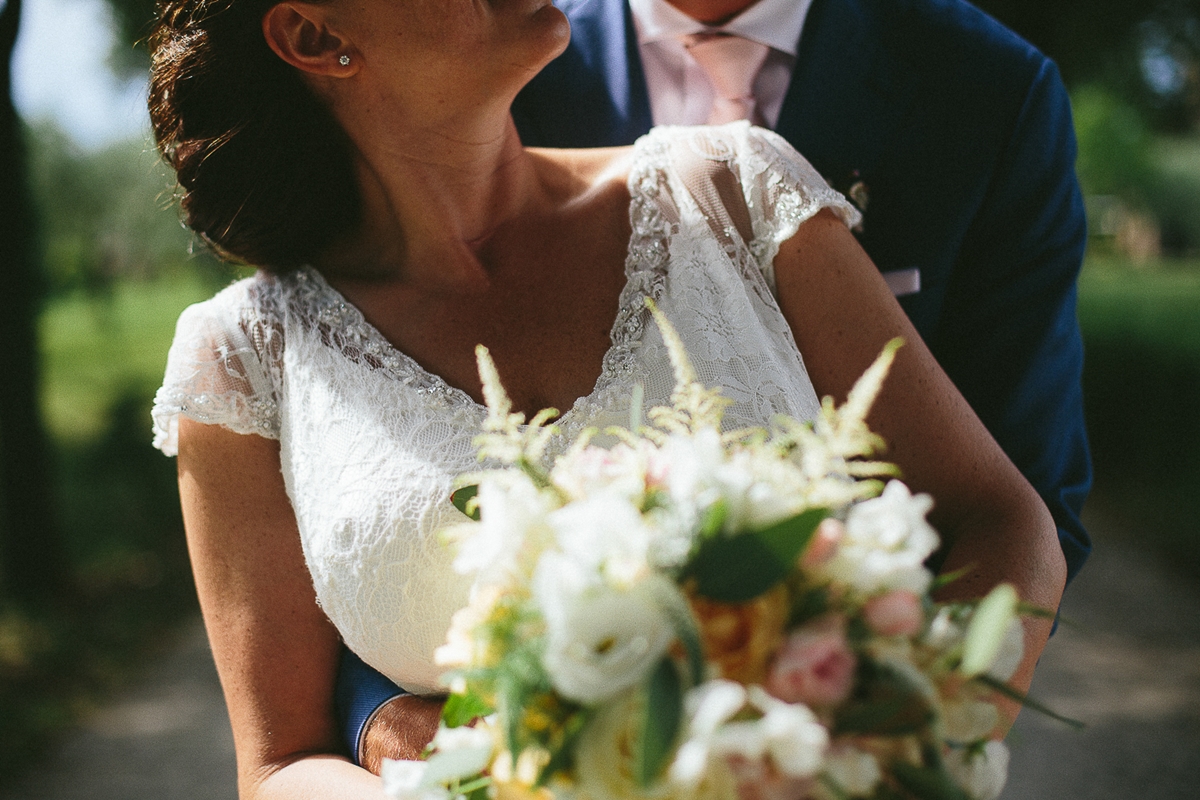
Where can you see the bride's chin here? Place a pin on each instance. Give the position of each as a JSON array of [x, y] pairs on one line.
[[549, 35]]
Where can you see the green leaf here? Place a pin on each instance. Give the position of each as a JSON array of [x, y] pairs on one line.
[[739, 568], [927, 783], [461, 498], [887, 703], [662, 715], [1000, 687], [985, 633], [562, 757], [461, 709]]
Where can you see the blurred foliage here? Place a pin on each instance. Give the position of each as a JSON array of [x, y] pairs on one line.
[[1142, 393], [132, 21], [1114, 145], [1147, 52], [118, 265], [105, 215]]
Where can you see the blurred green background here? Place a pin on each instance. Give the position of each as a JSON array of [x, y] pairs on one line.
[[96, 268]]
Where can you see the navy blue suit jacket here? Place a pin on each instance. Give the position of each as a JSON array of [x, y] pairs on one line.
[[961, 133]]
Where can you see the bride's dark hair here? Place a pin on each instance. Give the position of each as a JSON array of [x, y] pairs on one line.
[[266, 172]]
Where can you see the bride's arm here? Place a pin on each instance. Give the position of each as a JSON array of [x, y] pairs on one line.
[[275, 650], [990, 518]]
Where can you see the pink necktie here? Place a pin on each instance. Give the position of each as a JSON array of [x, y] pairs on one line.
[[732, 63]]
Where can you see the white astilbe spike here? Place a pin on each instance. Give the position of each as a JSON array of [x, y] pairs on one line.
[[692, 405], [866, 388], [831, 450], [505, 436]]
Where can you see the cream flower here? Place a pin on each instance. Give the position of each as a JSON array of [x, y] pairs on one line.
[[967, 720], [600, 641], [886, 543], [604, 756], [855, 772], [513, 522], [1012, 650], [460, 754], [788, 735], [604, 533], [405, 780], [982, 774]]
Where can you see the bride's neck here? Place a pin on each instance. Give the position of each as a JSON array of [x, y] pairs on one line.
[[430, 205]]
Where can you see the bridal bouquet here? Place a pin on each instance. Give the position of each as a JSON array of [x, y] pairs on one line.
[[690, 614]]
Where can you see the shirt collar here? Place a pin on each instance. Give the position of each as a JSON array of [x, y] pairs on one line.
[[775, 23]]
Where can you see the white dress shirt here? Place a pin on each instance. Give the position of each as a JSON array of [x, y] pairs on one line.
[[680, 91]]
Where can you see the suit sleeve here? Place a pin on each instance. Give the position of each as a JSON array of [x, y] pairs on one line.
[[359, 694], [1010, 337]]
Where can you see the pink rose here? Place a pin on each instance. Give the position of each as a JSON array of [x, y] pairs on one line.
[[897, 613], [815, 665], [824, 543]]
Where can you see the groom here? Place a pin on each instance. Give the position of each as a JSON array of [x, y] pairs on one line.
[[952, 135]]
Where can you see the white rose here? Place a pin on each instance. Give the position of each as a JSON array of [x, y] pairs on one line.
[[604, 641], [981, 774], [604, 760], [886, 543]]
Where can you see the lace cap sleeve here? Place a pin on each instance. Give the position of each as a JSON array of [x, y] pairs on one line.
[[780, 189], [223, 366]]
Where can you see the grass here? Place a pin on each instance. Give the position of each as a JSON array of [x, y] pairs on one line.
[[98, 348]]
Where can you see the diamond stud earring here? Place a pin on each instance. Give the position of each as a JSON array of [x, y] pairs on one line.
[[344, 60]]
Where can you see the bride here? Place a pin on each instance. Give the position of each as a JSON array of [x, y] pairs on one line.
[[361, 153]]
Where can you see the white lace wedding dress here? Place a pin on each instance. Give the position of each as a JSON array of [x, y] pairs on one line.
[[370, 442]]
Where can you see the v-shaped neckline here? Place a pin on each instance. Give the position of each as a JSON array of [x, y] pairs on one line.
[[645, 256]]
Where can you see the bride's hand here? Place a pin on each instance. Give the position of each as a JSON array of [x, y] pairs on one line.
[[401, 729]]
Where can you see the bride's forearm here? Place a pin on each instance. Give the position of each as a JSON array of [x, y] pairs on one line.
[[316, 777], [1023, 552]]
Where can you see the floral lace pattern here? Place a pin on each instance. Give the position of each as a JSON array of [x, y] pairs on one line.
[[370, 442]]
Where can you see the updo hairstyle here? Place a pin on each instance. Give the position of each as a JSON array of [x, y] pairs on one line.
[[266, 172]]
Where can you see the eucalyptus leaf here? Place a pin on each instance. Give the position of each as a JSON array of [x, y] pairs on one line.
[[985, 633], [662, 716], [736, 569], [461, 498]]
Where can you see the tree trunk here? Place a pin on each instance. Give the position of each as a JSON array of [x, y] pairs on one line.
[[32, 561]]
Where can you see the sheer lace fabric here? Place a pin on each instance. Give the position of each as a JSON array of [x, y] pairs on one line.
[[370, 442]]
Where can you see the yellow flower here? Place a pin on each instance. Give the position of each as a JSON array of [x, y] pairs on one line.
[[741, 638]]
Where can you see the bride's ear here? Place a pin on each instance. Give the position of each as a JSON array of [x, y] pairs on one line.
[[301, 36]]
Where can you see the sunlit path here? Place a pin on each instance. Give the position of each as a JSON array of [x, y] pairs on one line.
[[1128, 666]]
